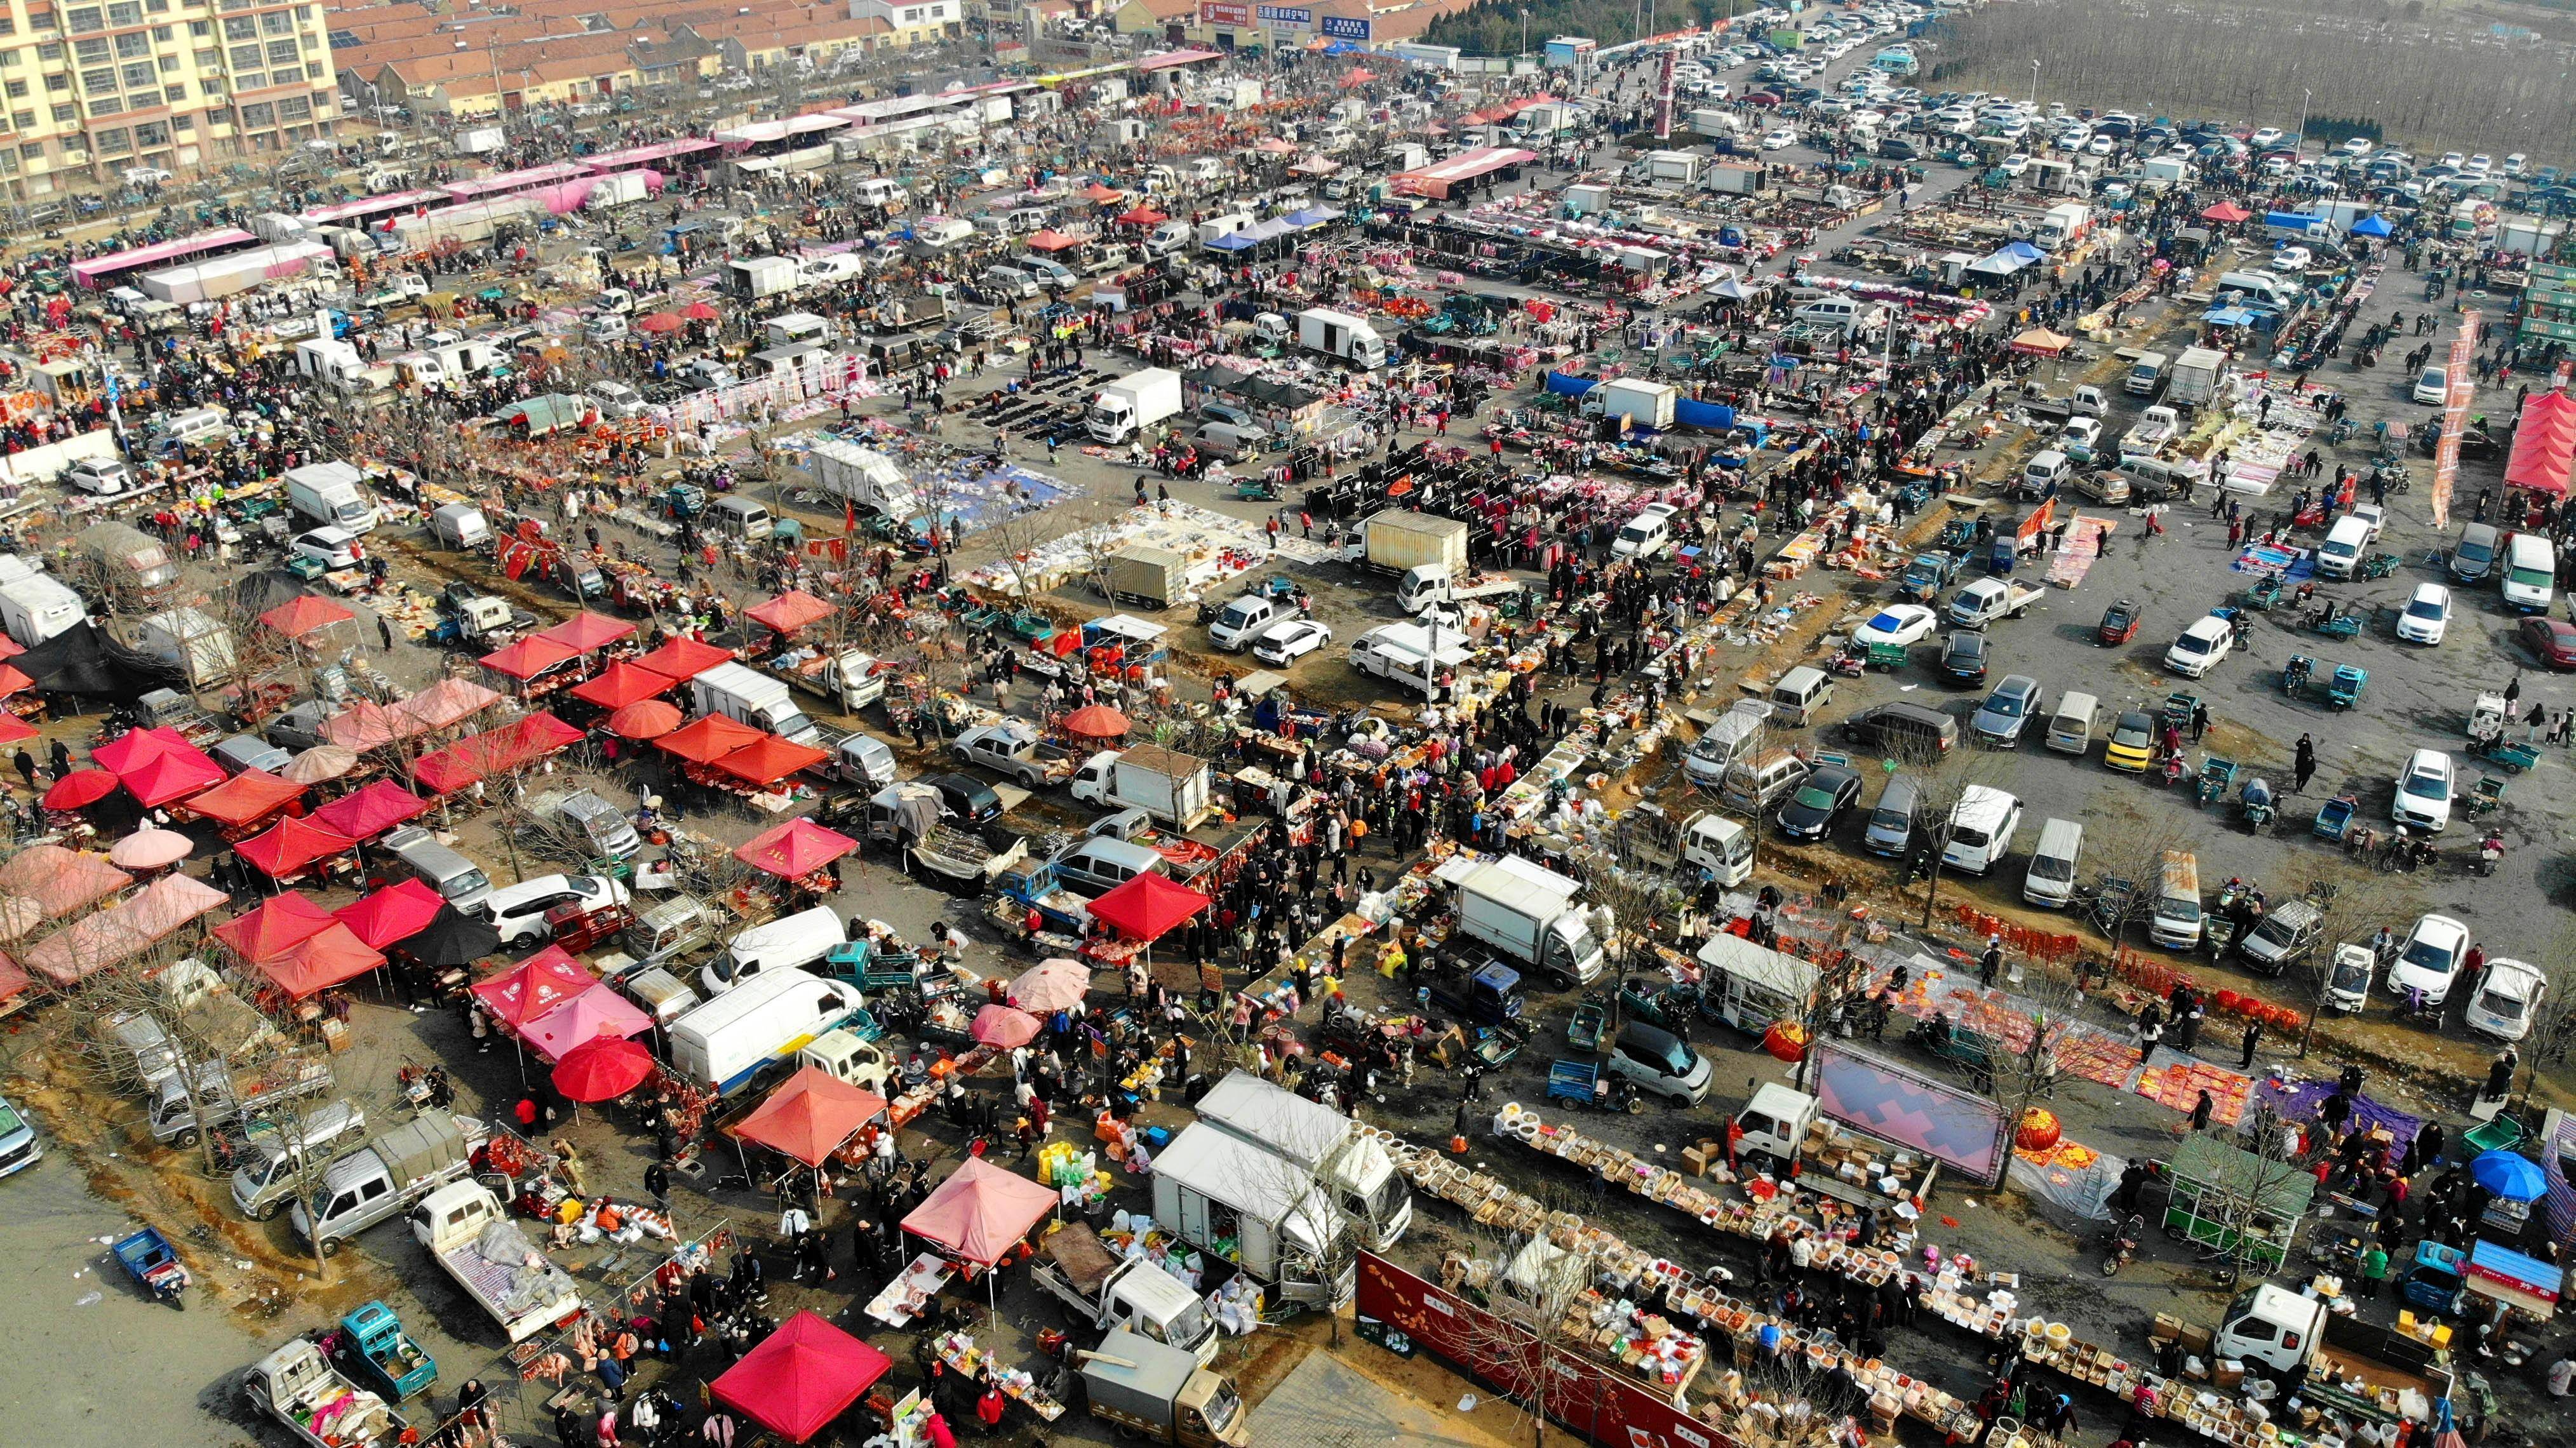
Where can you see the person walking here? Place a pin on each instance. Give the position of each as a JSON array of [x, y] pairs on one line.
[[2306, 766], [2200, 1112], [2500, 1075], [2199, 720], [2253, 1038], [1991, 964], [2374, 1270]]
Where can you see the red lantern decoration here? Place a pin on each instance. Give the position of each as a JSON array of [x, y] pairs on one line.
[[2229, 1001], [1786, 1040], [2039, 1130]]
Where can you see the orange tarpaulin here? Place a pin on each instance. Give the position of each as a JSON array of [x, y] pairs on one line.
[[621, 684], [709, 739], [792, 610], [291, 845], [810, 1115], [253, 794], [769, 759], [304, 613]]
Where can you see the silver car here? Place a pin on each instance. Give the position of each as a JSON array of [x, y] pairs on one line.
[[2007, 711]]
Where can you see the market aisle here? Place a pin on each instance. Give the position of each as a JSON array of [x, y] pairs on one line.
[[1326, 1403]]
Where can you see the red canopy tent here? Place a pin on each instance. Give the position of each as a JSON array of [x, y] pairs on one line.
[[2544, 445], [372, 810], [276, 926], [769, 759], [304, 613], [593, 1015], [2226, 212], [525, 741], [533, 987], [1147, 906], [795, 849], [621, 684], [1142, 216], [369, 725], [395, 913], [980, 1212], [810, 1115], [14, 730], [1052, 240], [684, 659], [170, 776], [252, 795], [709, 739], [801, 1377], [444, 773], [1098, 192], [792, 610], [528, 657], [449, 701], [587, 632], [11, 681], [135, 746], [329, 957], [291, 845]]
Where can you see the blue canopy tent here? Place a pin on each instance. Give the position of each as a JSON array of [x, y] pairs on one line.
[[1236, 242], [2022, 251], [1314, 216], [2228, 317], [2371, 226]]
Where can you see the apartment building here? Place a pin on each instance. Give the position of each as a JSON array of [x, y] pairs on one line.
[[92, 90]]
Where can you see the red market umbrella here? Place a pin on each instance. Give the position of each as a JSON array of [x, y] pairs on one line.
[[14, 730], [700, 312], [1004, 1027], [80, 787], [603, 1069], [1096, 721], [660, 322], [645, 719]]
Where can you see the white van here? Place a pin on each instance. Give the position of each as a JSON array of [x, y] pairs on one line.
[[2050, 470], [2340, 554], [936, 235], [2176, 919], [1847, 313], [2530, 573], [732, 1041], [2070, 729], [2146, 374], [198, 426], [1801, 695], [1981, 829], [2050, 880], [794, 940]]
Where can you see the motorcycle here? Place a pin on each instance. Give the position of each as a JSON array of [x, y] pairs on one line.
[[2490, 850], [2123, 1244], [2175, 768]]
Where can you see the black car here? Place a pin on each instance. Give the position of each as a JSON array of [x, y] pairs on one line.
[[1901, 728], [1963, 656], [1893, 149], [1818, 801], [970, 800]]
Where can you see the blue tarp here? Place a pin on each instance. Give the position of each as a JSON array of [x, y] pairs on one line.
[[2227, 317], [1566, 384], [2292, 221], [1237, 242], [2022, 251], [2371, 226], [1706, 416]]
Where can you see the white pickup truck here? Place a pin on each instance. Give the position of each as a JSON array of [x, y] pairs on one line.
[[2155, 427], [1984, 600], [465, 1227], [298, 1387]]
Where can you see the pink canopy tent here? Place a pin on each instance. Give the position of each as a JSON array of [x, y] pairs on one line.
[[595, 1014], [369, 725], [801, 1377], [448, 702], [87, 945], [795, 849], [168, 903], [1004, 1027], [533, 987], [60, 880], [278, 925], [395, 913], [980, 1212], [331, 957], [371, 811], [2544, 445], [810, 1115]]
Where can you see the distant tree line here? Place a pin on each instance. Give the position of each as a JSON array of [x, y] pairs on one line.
[[2430, 85], [1493, 27]]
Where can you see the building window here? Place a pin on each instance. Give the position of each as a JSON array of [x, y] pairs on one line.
[[58, 82], [241, 27], [169, 64], [141, 76], [174, 93], [277, 22], [41, 19], [64, 115], [151, 133], [161, 35], [125, 12], [183, 124], [32, 150], [22, 120], [11, 57], [17, 90], [89, 52], [112, 142], [8, 26], [295, 108], [282, 52], [245, 56], [134, 45], [209, 59], [86, 19], [103, 79], [252, 80], [201, 28], [106, 105], [259, 115], [50, 50]]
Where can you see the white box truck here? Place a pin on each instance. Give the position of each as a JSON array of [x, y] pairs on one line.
[[2195, 376], [1342, 336], [332, 495], [1210, 1187], [849, 678], [1645, 404], [620, 188], [1133, 403], [1170, 786], [2063, 225], [36, 606], [186, 639], [748, 697], [864, 476], [465, 1227], [734, 1040], [1673, 169], [1319, 1140], [1528, 912], [754, 277]]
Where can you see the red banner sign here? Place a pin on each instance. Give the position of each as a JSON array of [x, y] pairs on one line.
[[1574, 1390], [1222, 12]]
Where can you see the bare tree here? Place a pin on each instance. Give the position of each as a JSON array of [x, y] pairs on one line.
[[2130, 852], [2252, 1193], [2351, 904], [1536, 1295], [1943, 779], [2553, 1020]]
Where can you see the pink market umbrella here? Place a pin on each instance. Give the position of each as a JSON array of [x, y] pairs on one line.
[[150, 849], [1004, 1027], [1051, 985]]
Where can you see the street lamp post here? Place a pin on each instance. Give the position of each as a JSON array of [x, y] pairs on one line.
[[1524, 30], [2299, 143], [2034, 83]]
